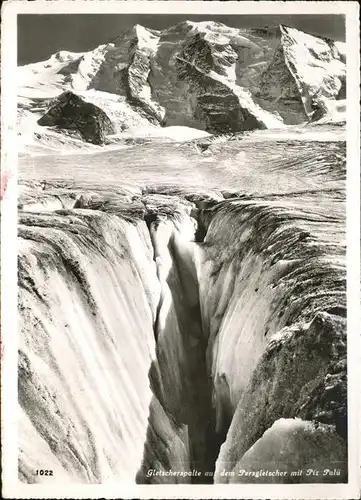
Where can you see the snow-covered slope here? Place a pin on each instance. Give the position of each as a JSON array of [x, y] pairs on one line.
[[203, 75]]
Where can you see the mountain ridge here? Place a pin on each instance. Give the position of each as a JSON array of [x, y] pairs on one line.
[[203, 75]]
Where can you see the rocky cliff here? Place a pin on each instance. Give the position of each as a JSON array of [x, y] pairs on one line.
[[204, 75]]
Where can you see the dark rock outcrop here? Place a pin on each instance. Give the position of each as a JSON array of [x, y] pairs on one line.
[[71, 112]]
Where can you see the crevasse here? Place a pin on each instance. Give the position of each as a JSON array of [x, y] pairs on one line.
[[176, 339]]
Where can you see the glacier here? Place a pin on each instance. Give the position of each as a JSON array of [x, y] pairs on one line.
[[172, 328], [181, 266]]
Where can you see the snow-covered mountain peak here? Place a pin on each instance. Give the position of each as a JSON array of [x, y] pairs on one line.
[[205, 75]]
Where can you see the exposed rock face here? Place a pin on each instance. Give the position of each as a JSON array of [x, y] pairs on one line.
[[71, 112], [210, 76]]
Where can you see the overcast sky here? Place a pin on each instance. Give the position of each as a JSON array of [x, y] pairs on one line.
[[41, 35]]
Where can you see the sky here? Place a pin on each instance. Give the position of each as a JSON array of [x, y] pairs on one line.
[[40, 35]]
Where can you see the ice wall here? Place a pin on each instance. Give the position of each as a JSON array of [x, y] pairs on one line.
[[304, 451], [88, 292]]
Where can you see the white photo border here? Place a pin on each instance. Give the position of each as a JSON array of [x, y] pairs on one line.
[[12, 488]]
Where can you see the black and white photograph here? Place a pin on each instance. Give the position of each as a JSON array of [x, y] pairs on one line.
[[185, 302]]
